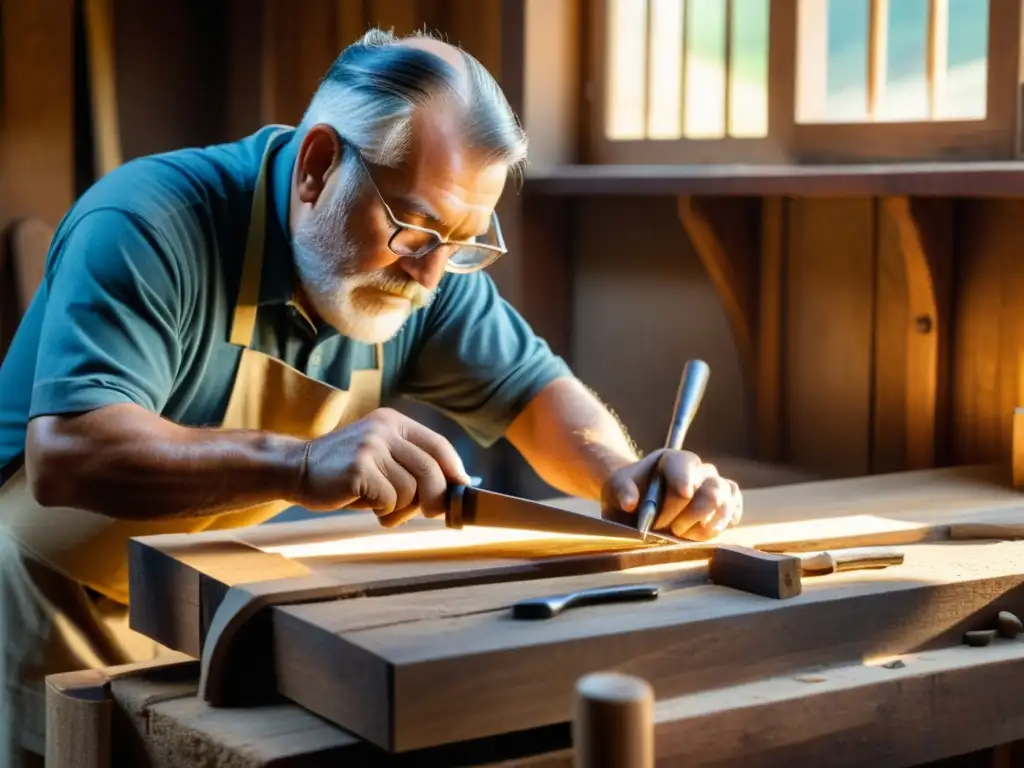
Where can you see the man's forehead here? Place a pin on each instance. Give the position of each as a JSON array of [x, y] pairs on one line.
[[446, 177]]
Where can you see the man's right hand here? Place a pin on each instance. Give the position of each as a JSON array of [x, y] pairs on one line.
[[385, 462]]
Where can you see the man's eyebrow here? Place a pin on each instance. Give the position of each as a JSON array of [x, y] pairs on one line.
[[417, 207]]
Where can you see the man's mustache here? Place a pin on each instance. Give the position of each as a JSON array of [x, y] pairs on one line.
[[404, 286]]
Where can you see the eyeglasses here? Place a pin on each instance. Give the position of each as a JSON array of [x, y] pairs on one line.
[[411, 241]]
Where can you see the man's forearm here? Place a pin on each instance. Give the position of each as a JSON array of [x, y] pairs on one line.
[[125, 462], [571, 439]]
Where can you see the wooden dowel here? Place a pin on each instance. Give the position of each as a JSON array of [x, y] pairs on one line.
[[613, 722]]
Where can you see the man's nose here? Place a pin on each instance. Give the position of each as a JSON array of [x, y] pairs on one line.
[[428, 270]]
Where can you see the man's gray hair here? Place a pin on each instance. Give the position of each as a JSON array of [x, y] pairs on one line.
[[372, 89]]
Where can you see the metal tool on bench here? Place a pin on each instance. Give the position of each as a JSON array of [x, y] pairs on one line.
[[552, 605], [692, 383], [780, 576]]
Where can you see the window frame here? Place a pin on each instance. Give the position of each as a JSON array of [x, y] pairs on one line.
[[994, 137]]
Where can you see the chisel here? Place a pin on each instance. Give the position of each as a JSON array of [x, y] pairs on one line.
[[692, 384]]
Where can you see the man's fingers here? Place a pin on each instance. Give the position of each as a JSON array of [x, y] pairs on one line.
[[736, 504], [681, 473], [706, 508], [403, 483], [431, 485], [438, 447]]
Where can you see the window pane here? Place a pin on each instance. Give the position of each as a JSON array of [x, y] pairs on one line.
[[964, 92], [626, 50], [906, 62], [748, 89], [705, 69], [665, 118], [847, 70]]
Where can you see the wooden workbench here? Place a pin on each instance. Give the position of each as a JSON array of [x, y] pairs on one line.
[[961, 706], [861, 668]]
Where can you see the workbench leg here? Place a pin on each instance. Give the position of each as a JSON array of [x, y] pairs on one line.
[[613, 722], [79, 714]]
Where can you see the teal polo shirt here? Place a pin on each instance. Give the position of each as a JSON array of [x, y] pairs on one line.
[[139, 291]]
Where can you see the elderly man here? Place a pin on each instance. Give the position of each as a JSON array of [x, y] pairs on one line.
[[219, 329]]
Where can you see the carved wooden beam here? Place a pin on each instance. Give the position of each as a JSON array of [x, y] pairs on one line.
[[923, 228], [723, 232]]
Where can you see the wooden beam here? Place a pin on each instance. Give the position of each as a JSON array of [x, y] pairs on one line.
[[826, 716], [831, 716], [768, 391], [724, 234], [466, 641], [964, 178], [99, 27], [924, 233], [1017, 459], [79, 711]]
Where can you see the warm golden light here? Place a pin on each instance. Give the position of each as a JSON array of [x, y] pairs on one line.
[[446, 541]]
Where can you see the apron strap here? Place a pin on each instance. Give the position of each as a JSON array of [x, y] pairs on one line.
[[243, 324]]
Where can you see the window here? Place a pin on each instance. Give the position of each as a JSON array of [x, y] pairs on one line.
[[697, 81], [686, 68], [892, 60]]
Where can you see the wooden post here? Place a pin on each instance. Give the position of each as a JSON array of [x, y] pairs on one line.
[[613, 722], [78, 717]]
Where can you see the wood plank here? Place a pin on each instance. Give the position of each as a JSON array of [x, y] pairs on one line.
[[168, 727], [771, 440], [986, 350], [912, 332], [691, 639], [314, 645], [937, 704], [829, 335], [936, 179]]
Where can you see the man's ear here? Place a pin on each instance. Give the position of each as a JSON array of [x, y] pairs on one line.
[[319, 153]]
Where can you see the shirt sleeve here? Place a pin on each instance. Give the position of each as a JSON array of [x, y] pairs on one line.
[[478, 361], [110, 333]]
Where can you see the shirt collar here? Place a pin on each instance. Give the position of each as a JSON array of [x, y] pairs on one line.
[[278, 281]]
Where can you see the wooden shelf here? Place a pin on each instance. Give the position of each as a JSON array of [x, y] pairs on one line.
[[950, 179]]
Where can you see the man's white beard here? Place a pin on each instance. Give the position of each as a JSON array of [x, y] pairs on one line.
[[324, 263]]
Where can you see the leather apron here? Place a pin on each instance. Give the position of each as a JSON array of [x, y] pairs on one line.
[[64, 572]]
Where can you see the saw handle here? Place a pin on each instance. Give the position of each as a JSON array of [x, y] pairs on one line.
[[551, 606]]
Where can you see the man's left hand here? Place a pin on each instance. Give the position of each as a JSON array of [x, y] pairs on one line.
[[698, 503]]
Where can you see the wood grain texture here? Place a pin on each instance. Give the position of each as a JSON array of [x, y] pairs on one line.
[[912, 332], [988, 328], [829, 338], [936, 705], [374, 662], [724, 235], [771, 439], [693, 638]]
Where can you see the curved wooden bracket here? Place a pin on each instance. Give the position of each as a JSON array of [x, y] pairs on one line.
[[922, 225], [723, 233]]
